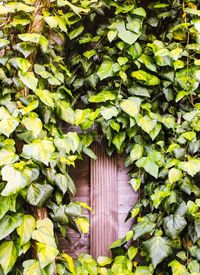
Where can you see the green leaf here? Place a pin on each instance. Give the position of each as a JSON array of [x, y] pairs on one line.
[[46, 254], [62, 182], [143, 227], [21, 63], [135, 183], [119, 139], [109, 112], [65, 112], [7, 203], [105, 70], [75, 32], [146, 78], [158, 249], [26, 228], [8, 255], [33, 124], [83, 224], [44, 232], [70, 262], [32, 267], [9, 223], [146, 123], [102, 97], [30, 37], [4, 42], [126, 35], [69, 143], [143, 270], [46, 97], [174, 175], [174, 225], [111, 35], [22, 179], [131, 106], [7, 156], [149, 165], [192, 167], [136, 152], [132, 251], [178, 268], [40, 150], [29, 80], [8, 125], [102, 260], [37, 193]]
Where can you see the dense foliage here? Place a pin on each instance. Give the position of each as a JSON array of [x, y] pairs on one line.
[[124, 72]]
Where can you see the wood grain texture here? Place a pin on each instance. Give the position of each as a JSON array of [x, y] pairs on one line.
[[126, 197], [104, 202], [81, 177]]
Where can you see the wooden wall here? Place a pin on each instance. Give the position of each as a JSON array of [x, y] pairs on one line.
[[103, 184]]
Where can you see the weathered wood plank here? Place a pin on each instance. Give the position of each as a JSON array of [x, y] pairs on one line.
[[81, 176], [104, 201]]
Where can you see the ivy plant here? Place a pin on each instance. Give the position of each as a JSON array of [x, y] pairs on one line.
[[126, 73]]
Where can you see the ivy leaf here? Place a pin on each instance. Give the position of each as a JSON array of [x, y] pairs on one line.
[[102, 260], [83, 224], [136, 152], [9, 223], [7, 203], [174, 175], [30, 37], [102, 97], [37, 193], [146, 123], [26, 228], [62, 182], [8, 125], [65, 112], [146, 78], [75, 32], [126, 35], [7, 156], [32, 267], [42, 235], [29, 80], [33, 124], [108, 112], [105, 70], [192, 167], [8, 255], [149, 165], [22, 178], [21, 63], [131, 106], [70, 262], [119, 139], [178, 268], [4, 42], [40, 150], [158, 249], [143, 227], [46, 97], [132, 251], [46, 254], [174, 225]]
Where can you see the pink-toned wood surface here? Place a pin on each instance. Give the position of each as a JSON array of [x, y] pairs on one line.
[[103, 184], [81, 177], [104, 202]]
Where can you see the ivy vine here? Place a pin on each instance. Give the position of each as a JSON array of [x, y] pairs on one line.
[[126, 73]]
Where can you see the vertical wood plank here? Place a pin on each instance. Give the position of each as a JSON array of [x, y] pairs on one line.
[[104, 202]]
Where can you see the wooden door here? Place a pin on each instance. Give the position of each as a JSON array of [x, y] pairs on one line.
[[102, 184]]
